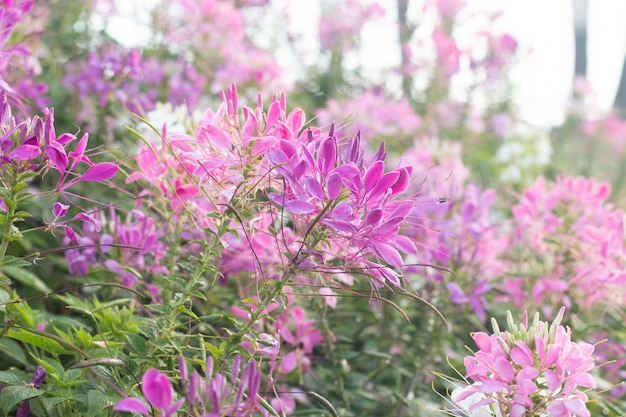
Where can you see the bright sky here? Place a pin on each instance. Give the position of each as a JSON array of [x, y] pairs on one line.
[[543, 28]]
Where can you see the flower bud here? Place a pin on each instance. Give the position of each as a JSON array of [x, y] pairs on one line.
[[39, 376]]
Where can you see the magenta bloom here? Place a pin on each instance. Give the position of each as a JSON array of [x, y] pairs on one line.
[[220, 395], [157, 389]]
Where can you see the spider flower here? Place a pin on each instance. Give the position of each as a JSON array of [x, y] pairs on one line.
[[531, 370]]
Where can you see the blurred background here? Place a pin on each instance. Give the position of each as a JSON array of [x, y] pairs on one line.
[[558, 41]]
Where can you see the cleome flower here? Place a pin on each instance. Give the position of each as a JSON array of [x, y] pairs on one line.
[[531, 370], [359, 202], [324, 201]]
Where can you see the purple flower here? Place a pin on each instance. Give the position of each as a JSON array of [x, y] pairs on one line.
[[23, 410], [38, 376], [219, 395], [18, 65], [364, 222], [59, 209]]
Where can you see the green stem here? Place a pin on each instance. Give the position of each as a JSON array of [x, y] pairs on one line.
[[8, 226], [287, 274], [262, 305], [195, 277]]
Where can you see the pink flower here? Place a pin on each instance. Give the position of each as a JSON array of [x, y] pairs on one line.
[[374, 115], [301, 333], [217, 395], [448, 52], [534, 369], [577, 236], [157, 389], [340, 34]]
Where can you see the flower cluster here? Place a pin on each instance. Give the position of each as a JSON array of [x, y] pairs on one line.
[[341, 34], [131, 249], [454, 226], [359, 203], [310, 177], [31, 147], [18, 63], [374, 115], [530, 370], [610, 129], [114, 73], [522, 156], [576, 240], [215, 31], [299, 334], [211, 396]]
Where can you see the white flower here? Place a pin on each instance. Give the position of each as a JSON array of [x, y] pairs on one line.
[[174, 118], [465, 404]]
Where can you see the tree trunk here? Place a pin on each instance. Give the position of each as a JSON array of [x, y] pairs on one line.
[[404, 35], [580, 34]]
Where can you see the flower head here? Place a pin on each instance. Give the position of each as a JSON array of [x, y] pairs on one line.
[[530, 370]]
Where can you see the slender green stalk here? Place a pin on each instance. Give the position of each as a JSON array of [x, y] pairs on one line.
[[8, 225]]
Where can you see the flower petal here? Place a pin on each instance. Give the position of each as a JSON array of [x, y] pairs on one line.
[[100, 172], [299, 207], [132, 405], [157, 389]]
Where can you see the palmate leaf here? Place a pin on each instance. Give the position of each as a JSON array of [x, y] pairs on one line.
[[15, 394]]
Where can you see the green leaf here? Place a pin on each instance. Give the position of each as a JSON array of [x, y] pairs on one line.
[[198, 294], [160, 308], [147, 331], [22, 213], [52, 367], [185, 310], [19, 187], [177, 281], [15, 394], [113, 304], [4, 280], [211, 318], [71, 375], [186, 266], [26, 278], [41, 342], [11, 349], [12, 205], [213, 350], [97, 402], [50, 402], [137, 342], [14, 377], [81, 310]]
